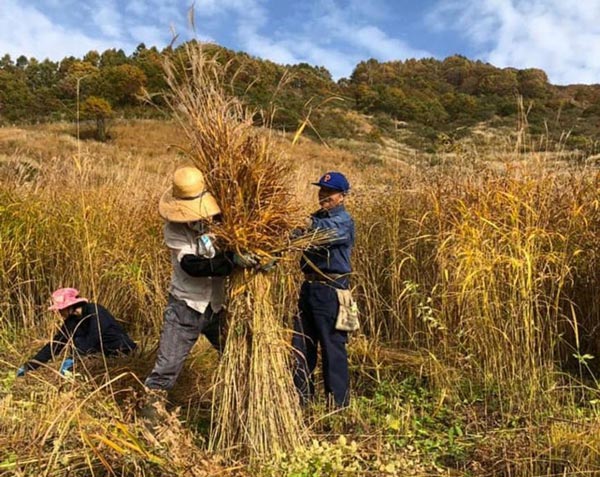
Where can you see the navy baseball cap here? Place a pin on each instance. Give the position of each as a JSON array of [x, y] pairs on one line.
[[334, 180]]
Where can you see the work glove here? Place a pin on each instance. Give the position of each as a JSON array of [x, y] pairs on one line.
[[245, 260], [297, 233], [268, 265], [21, 372], [66, 368], [206, 247]]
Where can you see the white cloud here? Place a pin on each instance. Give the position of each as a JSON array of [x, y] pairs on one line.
[[561, 37], [382, 46], [375, 10], [265, 48], [249, 17], [332, 35], [54, 3], [149, 35], [337, 62], [34, 34], [249, 10], [75, 29], [336, 34], [138, 7], [107, 18], [165, 12], [354, 38], [366, 42]]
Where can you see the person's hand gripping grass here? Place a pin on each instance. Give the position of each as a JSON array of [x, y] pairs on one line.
[[249, 260], [245, 260]]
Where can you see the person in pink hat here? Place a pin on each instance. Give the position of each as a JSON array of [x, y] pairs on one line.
[[88, 327]]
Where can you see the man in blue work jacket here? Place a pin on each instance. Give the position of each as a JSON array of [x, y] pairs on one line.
[[325, 269]]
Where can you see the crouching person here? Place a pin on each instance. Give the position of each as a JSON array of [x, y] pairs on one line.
[[197, 290], [88, 327]]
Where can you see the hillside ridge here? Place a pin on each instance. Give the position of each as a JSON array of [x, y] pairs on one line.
[[421, 103]]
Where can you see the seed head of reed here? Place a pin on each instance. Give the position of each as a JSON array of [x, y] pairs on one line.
[[245, 170]]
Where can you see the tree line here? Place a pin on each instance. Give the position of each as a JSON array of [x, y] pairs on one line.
[[428, 96]]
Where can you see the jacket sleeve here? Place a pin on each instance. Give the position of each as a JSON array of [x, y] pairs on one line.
[[186, 252], [90, 341], [343, 227], [219, 266], [51, 349]]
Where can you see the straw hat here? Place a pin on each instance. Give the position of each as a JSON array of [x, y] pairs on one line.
[[66, 297], [187, 200]]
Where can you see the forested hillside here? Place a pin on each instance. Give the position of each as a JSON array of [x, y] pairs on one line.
[[431, 99]]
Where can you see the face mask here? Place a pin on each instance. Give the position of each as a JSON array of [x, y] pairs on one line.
[[206, 247], [199, 226]]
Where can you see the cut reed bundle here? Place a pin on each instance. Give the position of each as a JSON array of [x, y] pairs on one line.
[[256, 411], [244, 170]]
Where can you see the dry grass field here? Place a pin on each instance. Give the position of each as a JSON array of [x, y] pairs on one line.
[[476, 272]]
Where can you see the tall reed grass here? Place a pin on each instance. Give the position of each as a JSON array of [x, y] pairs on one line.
[[487, 282], [482, 272], [53, 238]]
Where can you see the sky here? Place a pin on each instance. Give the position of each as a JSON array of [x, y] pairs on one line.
[[562, 37]]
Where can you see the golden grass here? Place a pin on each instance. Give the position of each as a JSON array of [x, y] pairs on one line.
[[244, 168], [50, 425], [484, 277]]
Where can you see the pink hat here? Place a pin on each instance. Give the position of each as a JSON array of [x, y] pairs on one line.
[[66, 297]]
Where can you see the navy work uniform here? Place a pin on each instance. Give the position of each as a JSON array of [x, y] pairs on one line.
[[95, 330], [325, 269]]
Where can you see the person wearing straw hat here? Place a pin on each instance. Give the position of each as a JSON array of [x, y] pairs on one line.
[[197, 290], [326, 281], [88, 327]]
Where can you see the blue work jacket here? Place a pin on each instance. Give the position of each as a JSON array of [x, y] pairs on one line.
[[333, 258]]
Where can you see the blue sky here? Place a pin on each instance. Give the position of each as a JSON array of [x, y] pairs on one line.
[[560, 36]]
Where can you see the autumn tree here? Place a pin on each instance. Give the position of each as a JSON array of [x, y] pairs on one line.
[[149, 61], [533, 83], [431, 95], [112, 57], [76, 74], [99, 110], [92, 57], [15, 97], [120, 84]]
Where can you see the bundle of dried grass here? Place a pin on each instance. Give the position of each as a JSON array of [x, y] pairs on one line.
[[256, 410], [244, 170]]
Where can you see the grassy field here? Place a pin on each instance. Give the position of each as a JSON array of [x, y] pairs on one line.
[[477, 276]]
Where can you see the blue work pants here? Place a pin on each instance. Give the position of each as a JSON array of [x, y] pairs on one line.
[[313, 327]]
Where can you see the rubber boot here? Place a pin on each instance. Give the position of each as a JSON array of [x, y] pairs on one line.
[[154, 406]]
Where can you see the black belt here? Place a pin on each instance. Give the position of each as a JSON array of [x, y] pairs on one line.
[[323, 277]]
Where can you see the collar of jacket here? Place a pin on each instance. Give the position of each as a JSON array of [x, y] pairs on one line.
[[338, 209]]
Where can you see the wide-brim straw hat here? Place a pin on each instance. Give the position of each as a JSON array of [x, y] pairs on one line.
[[187, 200]]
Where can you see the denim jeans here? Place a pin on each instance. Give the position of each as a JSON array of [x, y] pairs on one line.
[[181, 328]]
